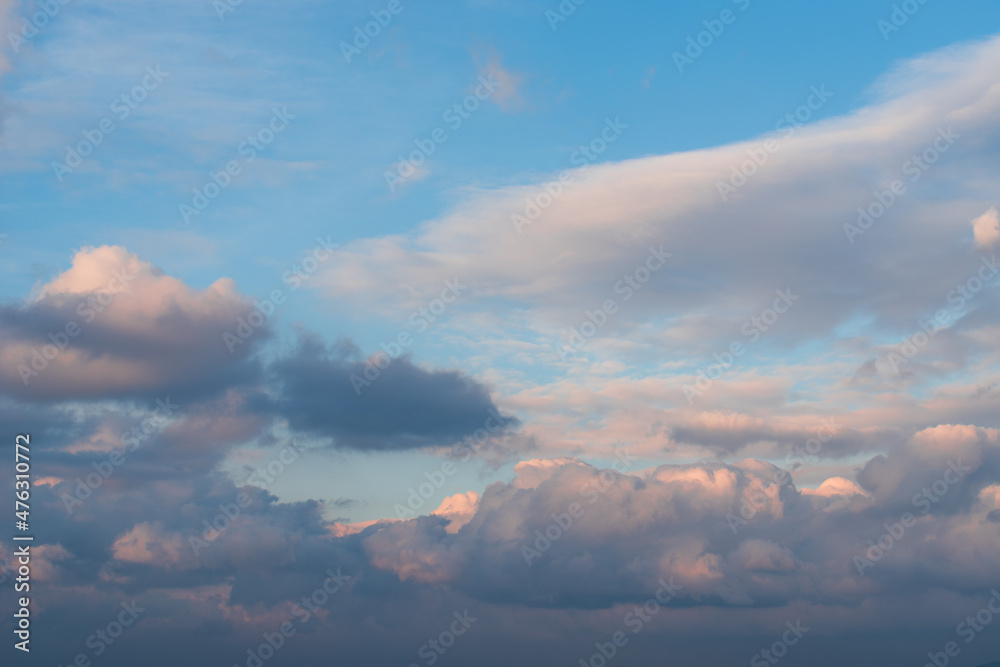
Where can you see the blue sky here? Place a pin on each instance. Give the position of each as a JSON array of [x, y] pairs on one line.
[[236, 156]]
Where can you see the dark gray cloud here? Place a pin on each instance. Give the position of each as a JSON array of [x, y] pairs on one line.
[[403, 407]]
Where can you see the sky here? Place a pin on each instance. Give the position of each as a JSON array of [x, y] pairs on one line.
[[639, 333]]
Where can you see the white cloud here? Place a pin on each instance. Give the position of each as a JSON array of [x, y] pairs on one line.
[[779, 230]]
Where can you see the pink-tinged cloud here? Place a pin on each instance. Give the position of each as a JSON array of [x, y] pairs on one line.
[[458, 509], [114, 324], [986, 229]]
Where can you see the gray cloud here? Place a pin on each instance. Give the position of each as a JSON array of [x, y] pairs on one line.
[[404, 407]]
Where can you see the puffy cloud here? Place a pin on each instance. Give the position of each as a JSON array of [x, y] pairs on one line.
[[562, 536], [764, 556], [458, 509], [986, 229], [533, 472], [571, 535], [116, 326], [836, 486], [403, 406], [935, 455], [145, 543]]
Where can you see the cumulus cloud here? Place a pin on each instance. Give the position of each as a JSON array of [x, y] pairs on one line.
[[458, 509], [732, 535], [986, 229], [145, 543], [115, 325], [327, 392], [561, 536]]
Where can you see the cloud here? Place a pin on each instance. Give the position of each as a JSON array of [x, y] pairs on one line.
[[145, 543], [458, 509], [740, 544], [113, 325], [726, 252], [792, 226], [401, 406], [561, 552], [732, 535], [836, 486], [986, 229], [508, 95]]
